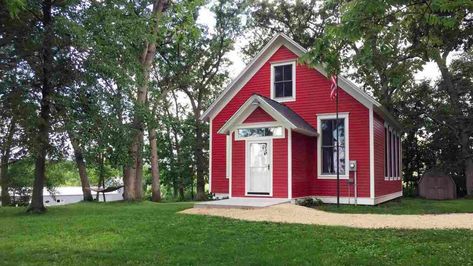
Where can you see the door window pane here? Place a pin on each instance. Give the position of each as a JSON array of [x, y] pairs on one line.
[[260, 132]]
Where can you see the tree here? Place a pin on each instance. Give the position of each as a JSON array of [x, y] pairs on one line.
[[133, 173], [7, 144], [442, 27], [303, 21], [46, 91], [451, 122], [197, 60]]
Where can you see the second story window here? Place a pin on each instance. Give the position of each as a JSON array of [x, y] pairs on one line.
[[283, 81]]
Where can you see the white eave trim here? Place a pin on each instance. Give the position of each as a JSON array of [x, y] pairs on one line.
[[247, 109]]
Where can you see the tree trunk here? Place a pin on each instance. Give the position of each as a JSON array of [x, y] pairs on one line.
[[199, 155], [101, 178], [5, 197], [139, 168], [155, 182], [180, 178], [42, 138], [468, 157], [133, 184], [172, 163], [447, 80], [4, 163], [84, 179], [469, 176]]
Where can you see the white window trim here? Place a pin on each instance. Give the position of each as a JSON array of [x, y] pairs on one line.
[[395, 170], [386, 153], [399, 156], [393, 151], [229, 156], [247, 165], [321, 117], [391, 155], [273, 94], [256, 125]]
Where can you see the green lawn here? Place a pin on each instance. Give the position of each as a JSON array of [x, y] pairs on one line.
[[407, 206], [149, 233]]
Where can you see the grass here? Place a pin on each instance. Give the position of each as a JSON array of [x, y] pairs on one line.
[[150, 233], [407, 206]]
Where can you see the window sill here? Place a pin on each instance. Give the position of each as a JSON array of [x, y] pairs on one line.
[[284, 99], [332, 177], [391, 178]]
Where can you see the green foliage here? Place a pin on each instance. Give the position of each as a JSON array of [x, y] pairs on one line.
[[148, 233], [14, 7]]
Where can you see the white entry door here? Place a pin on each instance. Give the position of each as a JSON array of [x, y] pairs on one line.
[[259, 168]]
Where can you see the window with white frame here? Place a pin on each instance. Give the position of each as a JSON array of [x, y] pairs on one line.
[[327, 127], [392, 154], [283, 81], [255, 132]]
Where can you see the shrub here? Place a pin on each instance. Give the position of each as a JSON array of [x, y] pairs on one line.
[[309, 202]]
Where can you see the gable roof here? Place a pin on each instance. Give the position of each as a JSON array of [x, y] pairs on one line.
[[280, 112], [260, 59]]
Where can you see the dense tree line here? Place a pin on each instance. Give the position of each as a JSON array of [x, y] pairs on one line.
[[119, 86], [115, 85]]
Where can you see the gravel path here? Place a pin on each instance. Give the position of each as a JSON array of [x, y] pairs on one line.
[[289, 213]]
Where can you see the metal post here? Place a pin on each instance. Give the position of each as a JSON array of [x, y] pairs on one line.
[[338, 147]]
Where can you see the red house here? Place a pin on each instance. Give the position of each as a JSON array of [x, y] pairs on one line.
[[273, 134]]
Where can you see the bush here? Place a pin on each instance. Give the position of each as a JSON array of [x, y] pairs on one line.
[[309, 202]]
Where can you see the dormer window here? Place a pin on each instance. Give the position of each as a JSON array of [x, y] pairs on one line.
[[283, 81]]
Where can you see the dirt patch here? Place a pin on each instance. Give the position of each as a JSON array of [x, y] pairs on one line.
[[289, 213]]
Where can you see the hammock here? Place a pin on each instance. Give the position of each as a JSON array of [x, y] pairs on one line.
[[105, 190]]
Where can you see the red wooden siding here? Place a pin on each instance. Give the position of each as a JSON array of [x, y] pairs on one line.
[[219, 182], [382, 187], [238, 168], [258, 115], [280, 167], [312, 98], [304, 165]]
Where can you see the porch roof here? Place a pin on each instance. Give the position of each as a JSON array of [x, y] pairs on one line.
[[278, 111]]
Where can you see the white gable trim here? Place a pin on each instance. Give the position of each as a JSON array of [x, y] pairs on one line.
[[247, 109], [263, 56], [251, 105]]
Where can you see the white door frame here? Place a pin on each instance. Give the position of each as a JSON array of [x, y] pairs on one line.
[[247, 165]]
